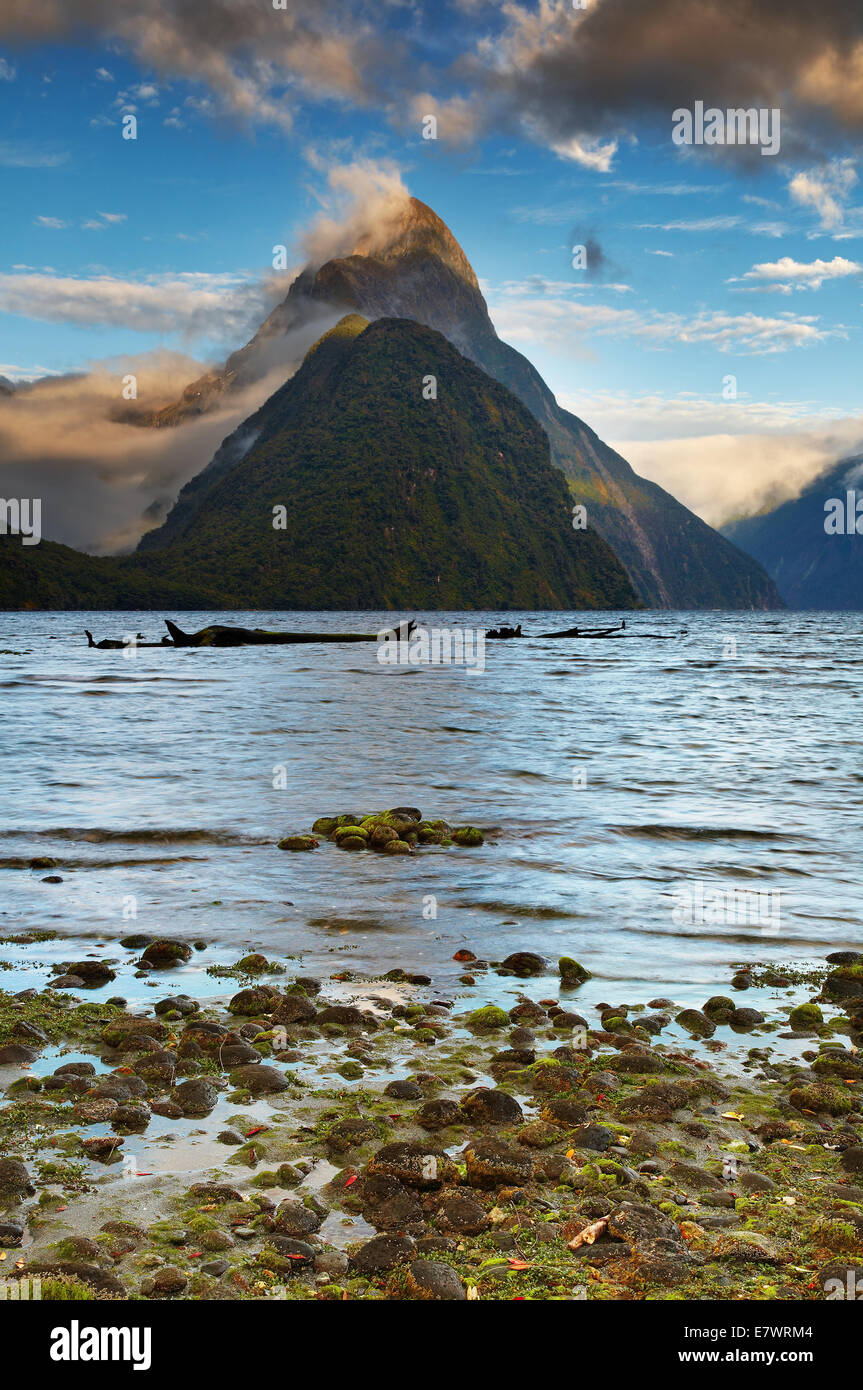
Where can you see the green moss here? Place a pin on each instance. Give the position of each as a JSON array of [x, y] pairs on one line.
[[343, 831], [350, 1070], [806, 1017], [571, 972], [468, 836], [820, 1097], [487, 1018]]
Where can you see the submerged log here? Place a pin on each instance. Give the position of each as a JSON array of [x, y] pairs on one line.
[[217, 635]]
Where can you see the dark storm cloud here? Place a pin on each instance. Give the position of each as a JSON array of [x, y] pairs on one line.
[[556, 72], [569, 72]]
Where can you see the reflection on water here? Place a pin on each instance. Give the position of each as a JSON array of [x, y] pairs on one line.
[[611, 775]]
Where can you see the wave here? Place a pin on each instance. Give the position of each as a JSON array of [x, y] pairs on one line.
[[149, 861], [699, 832], [100, 835]]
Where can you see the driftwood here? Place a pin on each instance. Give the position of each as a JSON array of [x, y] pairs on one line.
[[220, 635]]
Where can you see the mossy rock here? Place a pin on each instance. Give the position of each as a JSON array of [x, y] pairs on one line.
[[164, 953], [352, 842], [351, 1070], [382, 835], [342, 832], [348, 820], [397, 847], [468, 836], [427, 836], [821, 1097], [116, 1032], [572, 972], [719, 1008], [325, 825], [806, 1017], [399, 822], [299, 842], [844, 983], [486, 1019]]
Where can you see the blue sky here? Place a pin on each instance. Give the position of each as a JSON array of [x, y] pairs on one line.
[[714, 264]]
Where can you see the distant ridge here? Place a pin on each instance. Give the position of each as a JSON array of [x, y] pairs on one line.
[[813, 568]]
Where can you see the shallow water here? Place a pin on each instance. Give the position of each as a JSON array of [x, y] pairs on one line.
[[151, 781]]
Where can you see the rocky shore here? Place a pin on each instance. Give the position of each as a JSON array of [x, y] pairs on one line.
[[371, 1139]]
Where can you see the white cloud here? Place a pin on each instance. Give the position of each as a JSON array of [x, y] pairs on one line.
[[7, 72], [104, 75], [724, 223], [567, 324], [103, 220], [826, 190], [787, 273], [21, 154], [194, 306], [14, 372], [456, 117], [722, 458], [589, 151], [724, 476], [54, 222]]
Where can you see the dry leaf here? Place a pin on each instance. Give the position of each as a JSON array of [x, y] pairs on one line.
[[731, 1115]]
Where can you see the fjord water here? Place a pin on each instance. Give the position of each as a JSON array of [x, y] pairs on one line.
[[730, 755]]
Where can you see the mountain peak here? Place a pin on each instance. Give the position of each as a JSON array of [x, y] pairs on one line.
[[417, 231]]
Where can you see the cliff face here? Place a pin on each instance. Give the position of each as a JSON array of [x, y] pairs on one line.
[[674, 559]]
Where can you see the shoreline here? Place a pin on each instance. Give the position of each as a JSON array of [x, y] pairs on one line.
[[367, 1139]]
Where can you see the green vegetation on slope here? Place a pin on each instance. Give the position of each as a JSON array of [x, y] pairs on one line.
[[391, 500]]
